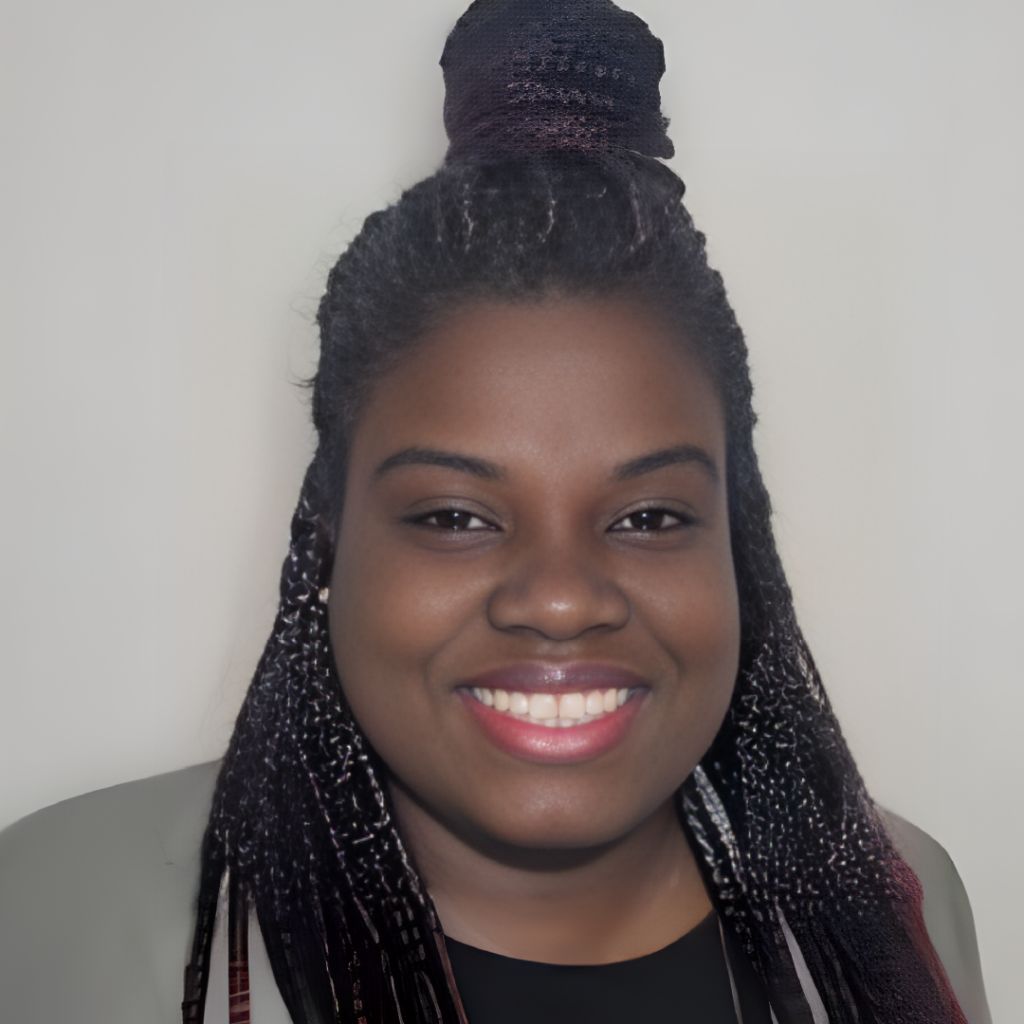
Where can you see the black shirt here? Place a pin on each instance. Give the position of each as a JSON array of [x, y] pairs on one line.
[[684, 983]]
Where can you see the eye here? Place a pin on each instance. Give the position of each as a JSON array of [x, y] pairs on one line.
[[454, 520], [650, 520]]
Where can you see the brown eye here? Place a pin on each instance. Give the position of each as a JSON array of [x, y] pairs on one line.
[[453, 519], [648, 520]]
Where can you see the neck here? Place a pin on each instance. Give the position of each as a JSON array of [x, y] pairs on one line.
[[622, 900]]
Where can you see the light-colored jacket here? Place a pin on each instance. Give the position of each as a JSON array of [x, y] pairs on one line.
[[97, 896]]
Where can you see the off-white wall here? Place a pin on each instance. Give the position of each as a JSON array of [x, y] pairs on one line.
[[176, 178]]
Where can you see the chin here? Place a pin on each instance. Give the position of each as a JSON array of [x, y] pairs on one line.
[[563, 823]]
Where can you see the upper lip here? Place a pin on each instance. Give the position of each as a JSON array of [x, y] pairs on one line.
[[553, 677]]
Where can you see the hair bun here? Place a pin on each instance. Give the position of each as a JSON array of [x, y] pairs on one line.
[[527, 76]]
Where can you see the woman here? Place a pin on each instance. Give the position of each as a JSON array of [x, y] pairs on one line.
[[536, 689]]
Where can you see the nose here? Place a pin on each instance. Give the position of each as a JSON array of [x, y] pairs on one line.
[[558, 594]]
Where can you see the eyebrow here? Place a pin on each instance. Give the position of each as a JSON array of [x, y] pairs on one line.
[[447, 460], [680, 455]]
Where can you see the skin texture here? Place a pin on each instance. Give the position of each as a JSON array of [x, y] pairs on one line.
[[567, 863]]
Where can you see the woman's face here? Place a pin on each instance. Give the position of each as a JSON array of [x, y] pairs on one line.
[[533, 606]]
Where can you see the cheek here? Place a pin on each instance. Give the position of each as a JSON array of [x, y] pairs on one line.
[[693, 606], [373, 655], [714, 626], [711, 633], [391, 615], [695, 617], [388, 610], [393, 622], [366, 611]]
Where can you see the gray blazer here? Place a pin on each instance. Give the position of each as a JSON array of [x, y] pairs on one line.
[[97, 897]]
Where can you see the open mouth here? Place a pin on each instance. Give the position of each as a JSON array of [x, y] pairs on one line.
[[555, 713], [554, 710]]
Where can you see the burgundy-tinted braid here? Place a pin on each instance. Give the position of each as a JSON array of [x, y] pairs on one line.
[[777, 812]]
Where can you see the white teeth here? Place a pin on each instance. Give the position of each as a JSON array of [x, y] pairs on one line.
[[519, 704], [543, 705], [554, 710], [571, 705]]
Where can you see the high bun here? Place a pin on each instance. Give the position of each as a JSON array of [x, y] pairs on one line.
[[550, 186], [525, 76]]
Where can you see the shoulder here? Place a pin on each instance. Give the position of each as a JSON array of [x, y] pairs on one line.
[[947, 913], [96, 901], [169, 808]]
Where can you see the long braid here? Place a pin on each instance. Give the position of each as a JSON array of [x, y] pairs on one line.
[[793, 848], [298, 766]]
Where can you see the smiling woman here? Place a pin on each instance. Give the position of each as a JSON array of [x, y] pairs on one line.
[[547, 586], [536, 734]]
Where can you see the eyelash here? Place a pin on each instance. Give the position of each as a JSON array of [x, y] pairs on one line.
[[424, 520], [681, 520]]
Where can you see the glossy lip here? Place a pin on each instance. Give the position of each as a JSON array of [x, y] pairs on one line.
[[549, 677], [540, 743]]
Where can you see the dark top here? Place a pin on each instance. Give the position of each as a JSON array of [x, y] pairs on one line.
[[685, 983]]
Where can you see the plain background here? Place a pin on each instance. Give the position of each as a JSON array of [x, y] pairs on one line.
[[178, 177]]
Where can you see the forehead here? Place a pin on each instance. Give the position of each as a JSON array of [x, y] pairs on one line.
[[563, 379]]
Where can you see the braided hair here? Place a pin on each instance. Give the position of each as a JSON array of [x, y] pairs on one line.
[[551, 185]]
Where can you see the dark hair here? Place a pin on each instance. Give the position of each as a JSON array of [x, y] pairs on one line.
[[551, 186]]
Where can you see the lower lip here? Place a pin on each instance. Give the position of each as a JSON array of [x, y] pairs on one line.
[[570, 745]]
